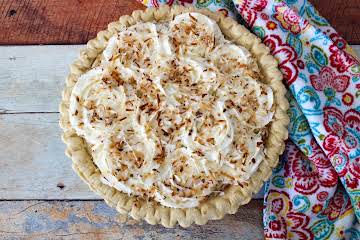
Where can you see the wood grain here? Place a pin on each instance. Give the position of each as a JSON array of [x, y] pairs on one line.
[[95, 220], [58, 22], [32, 160], [32, 77], [77, 21]]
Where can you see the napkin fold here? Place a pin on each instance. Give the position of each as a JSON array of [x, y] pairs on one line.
[[314, 192]]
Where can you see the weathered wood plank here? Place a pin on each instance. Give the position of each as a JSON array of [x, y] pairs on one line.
[[58, 22], [95, 220], [75, 22], [32, 160], [32, 77]]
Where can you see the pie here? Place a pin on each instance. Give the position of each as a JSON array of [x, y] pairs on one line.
[[174, 115]]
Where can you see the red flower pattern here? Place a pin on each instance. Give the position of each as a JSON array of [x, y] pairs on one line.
[[289, 19], [316, 208], [309, 174], [340, 59], [328, 79], [288, 222], [338, 204], [337, 124], [286, 55], [322, 196], [271, 25], [341, 141], [347, 99], [250, 8], [338, 41]]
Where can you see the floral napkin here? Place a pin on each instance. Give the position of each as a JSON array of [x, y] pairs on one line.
[[314, 192]]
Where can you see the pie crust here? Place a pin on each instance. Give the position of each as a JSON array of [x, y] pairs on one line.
[[215, 207]]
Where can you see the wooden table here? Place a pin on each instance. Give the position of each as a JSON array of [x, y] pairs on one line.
[[41, 197]]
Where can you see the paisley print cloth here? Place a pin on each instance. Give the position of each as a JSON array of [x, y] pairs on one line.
[[314, 192]]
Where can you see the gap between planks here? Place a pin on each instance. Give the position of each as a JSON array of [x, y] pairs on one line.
[[96, 220]]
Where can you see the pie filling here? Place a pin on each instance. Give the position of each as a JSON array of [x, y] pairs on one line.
[[174, 112]]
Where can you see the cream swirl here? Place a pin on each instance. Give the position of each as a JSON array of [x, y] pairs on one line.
[[194, 34], [126, 159], [97, 104]]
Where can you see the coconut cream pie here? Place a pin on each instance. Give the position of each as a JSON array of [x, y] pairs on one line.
[[174, 115]]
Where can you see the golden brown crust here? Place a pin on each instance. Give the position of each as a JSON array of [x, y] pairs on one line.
[[213, 208]]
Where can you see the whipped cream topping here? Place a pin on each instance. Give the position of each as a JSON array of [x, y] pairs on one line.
[[175, 112]]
